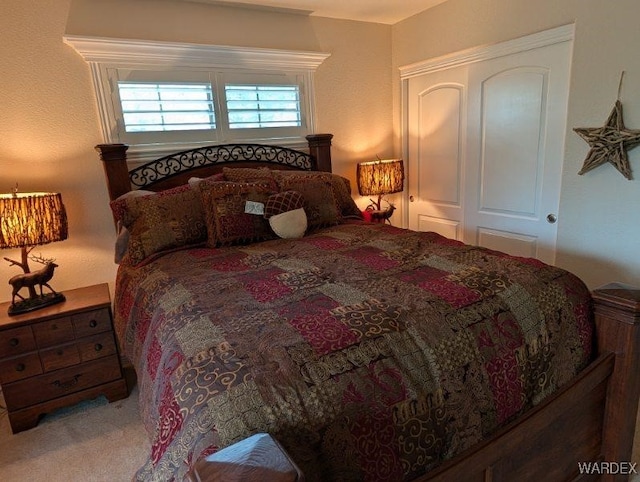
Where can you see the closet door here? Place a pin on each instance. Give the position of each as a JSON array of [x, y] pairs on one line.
[[437, 131], [484, 147], [515, 148]]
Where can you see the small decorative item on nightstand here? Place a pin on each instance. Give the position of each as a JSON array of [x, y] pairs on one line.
[[377, 178], [28, 220]]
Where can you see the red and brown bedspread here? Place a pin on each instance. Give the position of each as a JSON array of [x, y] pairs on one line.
[[369, 352]]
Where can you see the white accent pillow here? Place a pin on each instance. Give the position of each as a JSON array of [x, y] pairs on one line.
[[291, 224]]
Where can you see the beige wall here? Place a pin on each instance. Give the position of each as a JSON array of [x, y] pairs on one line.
[[49, 119], [599, 224]]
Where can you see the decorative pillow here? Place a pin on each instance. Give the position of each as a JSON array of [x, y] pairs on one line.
[[122, 242], [166, 220], [289, 224], [118, 209], [320, 202], [282, 202], [340, 185], [194, 181], [342, 190], [224, 207], [118, 205], [248, 174]]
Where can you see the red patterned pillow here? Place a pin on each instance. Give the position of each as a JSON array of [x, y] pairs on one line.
[[119, 205], [249, 174], [320, 202], [283, 202], [162, 221], [224, 208], [194, 181], [342, 189], [340, 185]]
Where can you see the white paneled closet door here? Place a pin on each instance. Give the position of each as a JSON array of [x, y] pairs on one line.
[[485, 143]]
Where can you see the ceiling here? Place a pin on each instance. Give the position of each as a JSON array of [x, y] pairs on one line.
[[378, 11]]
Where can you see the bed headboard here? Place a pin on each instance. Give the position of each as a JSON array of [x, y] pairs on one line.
[[175, 169]]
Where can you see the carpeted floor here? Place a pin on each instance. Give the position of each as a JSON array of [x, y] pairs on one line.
[[94, 441]]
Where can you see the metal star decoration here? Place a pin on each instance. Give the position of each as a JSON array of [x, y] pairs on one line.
[[609, 143]]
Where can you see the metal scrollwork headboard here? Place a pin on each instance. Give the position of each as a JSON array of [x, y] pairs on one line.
[[177, 163], [176, 168]]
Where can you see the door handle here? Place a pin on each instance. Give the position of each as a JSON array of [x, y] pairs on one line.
[[551, 218], [411, 199]]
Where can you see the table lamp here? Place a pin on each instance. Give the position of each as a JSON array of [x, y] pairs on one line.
[[28, 220], [380, 177]]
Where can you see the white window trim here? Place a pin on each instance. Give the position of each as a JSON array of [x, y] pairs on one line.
[[108, 53]]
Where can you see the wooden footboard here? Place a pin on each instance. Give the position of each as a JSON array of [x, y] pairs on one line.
[[617, 309], [583, 432]]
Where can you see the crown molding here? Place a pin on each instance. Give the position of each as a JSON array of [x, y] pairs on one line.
[[486, 52], [155, 53]]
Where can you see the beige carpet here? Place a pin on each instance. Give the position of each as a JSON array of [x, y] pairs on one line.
[[91, 442]]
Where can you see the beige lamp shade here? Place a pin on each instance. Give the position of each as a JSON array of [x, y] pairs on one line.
[[30, 219], [376, 178]]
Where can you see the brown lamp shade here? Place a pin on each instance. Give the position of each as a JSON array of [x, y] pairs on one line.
[[376, 178], [30, 219]]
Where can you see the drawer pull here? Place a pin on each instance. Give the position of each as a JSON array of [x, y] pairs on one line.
[[93, 323], [54, 327], [60, 352], [98, 346], [68, 384], [14, 342], [20, 367]]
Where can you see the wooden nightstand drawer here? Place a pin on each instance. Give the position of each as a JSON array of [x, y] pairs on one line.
[[25, 393], [97, 346], [92, 322], [16, 341], [20, 367], [53, 332], [60, 356]]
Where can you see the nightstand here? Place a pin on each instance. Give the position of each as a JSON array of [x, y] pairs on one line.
[[59, 355]]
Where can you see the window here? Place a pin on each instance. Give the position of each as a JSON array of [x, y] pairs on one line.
[[154, 107], [166, 107], [260, 106], [159, 97]]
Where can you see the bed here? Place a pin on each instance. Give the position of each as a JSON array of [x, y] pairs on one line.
[[368, 351]]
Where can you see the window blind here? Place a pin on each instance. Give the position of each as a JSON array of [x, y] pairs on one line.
[[263, 106], [149, 107]]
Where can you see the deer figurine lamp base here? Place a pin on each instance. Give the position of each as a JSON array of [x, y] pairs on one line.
[[29, 279], [32, 304]]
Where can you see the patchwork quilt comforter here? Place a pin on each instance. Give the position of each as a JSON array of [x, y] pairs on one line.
[[370, 352]]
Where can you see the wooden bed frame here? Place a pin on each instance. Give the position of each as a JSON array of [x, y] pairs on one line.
[[572, 435]]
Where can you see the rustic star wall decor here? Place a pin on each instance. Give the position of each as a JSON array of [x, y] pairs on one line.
[[609, 143]]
